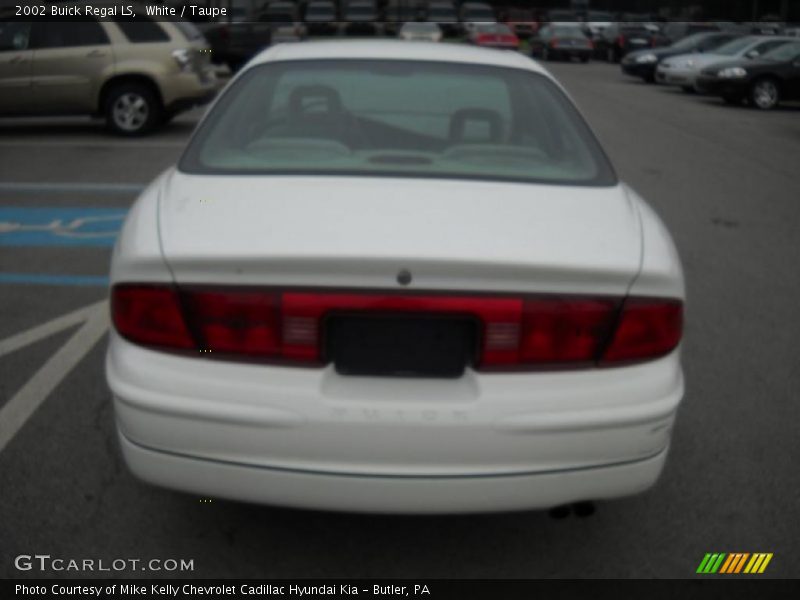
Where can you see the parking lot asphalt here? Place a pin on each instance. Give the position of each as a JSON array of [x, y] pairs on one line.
[[726, 182]]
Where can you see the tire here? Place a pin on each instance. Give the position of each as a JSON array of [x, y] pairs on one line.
[[132, 109], [689, 89], [765, 93], [584, 59], [649, 78]]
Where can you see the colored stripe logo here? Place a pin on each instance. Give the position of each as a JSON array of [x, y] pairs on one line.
[[734, 563]]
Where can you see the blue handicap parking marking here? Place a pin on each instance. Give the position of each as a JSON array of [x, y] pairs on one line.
[[57, 226]]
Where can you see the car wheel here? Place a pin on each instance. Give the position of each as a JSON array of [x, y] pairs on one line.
[[584, 59], [689, 89], [132, 109], [765, 94], [650, 78]]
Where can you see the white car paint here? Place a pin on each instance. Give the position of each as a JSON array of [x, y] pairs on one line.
[[314, 438]]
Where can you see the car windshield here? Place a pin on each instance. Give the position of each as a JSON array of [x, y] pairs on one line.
[[634, 30], [689, 42], [783, 53], [360, 12], [445, 14], [320, 11], [478, 14], [494, 28], [735, 47], [397, 118], [420, 28], [568, 32]]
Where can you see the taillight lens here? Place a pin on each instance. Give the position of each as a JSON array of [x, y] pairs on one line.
[[647, 328], [245, 323], [150, 315], [553, 43], [621, 41], [558, 331], [516, 333]]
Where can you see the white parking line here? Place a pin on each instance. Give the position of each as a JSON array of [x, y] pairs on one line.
[[24, 403], [31, 336]]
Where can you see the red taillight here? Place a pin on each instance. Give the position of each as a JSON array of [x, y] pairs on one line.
[[553, 43], [150, 315], [558, 331], [483, 38], [621, 41], [287, 326], [647, 328], [245, 323]]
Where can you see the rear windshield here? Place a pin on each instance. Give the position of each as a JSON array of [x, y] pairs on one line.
[[568, 32], [397, 118], [496, 28]]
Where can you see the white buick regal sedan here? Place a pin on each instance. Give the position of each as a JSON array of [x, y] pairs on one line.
[[392, 277]]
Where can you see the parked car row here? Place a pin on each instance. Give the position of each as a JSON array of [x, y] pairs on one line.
[[762, 70]]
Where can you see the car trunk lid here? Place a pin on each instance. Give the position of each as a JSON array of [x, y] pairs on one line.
[[345, 232]]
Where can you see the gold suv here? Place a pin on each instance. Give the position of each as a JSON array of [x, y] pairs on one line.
[[136, 72]]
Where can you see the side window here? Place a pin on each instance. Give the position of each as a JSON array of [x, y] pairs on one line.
[[140, 30], [711, 42], [767, 46], [66, 35], [14, 36]]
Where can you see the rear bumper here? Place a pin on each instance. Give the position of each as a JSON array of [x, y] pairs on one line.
[[186, 90], [681, 77], [377, 494], [313, 438], [573, 52], [645, 70], [721, 87]]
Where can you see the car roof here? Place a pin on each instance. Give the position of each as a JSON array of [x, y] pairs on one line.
[[397, 50]]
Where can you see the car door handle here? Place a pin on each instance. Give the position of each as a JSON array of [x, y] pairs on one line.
[[95, 54]]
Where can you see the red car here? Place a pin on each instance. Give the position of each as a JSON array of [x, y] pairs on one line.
[[494, 35]]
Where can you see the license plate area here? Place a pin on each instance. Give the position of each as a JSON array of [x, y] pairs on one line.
[[400, 345]]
